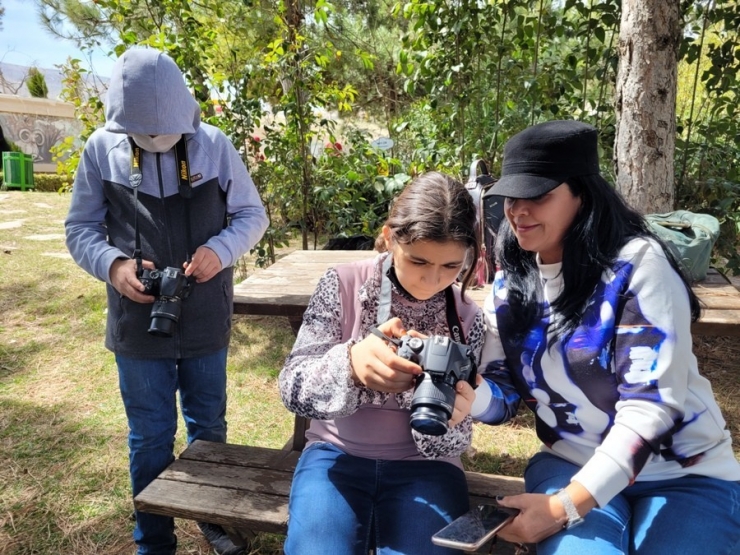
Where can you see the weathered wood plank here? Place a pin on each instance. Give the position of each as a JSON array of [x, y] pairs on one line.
[[234, 508], [238, 478], [717, 322], [485, 487], [240, 455], [205, 463]]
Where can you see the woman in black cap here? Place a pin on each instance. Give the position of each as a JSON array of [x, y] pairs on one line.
[[589, 324]]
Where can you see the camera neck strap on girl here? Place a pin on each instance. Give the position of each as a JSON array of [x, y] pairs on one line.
[[384, 302], [184, 187]]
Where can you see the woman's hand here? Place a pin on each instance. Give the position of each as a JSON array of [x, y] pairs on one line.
[[376, 365], [541, 516], [465, 395]]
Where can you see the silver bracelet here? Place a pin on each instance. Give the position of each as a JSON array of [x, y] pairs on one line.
[[574, 519]]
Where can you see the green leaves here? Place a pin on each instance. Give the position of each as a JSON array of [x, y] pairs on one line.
[[448, 81]]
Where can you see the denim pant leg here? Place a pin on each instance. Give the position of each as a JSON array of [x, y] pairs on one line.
[[148, 389], [331, 503], [605, 530], [416, 499], [692, 515], [202, 384], [343, 505]]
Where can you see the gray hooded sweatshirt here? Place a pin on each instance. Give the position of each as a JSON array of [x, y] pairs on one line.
[[148, 96]]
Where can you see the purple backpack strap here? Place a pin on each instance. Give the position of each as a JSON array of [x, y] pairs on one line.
[[351, 278]]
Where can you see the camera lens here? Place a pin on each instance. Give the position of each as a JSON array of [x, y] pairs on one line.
[[165, 314], [431, 406]]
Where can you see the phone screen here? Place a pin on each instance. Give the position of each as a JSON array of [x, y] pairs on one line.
[[474, 528]]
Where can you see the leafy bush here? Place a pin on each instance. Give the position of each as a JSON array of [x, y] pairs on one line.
[[51, 182], [46, 182], [352, 190]]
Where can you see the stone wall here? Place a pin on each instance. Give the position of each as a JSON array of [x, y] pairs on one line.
[[37, 124]]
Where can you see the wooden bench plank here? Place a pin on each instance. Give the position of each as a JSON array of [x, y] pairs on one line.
[[227, 507], [241, 455], [237, 478], [485, 487]]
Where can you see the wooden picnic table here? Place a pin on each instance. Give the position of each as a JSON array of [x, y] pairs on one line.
[[285, 288]]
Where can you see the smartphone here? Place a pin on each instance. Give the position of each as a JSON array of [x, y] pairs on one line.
[[473, 529]]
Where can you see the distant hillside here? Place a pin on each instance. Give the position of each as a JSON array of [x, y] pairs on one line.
[[13, 80]]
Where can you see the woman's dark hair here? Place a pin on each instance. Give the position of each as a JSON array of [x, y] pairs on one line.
[[604, 224], [435, 207]]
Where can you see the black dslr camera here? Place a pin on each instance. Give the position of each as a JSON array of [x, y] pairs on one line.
[[171, 286], [444, 363]]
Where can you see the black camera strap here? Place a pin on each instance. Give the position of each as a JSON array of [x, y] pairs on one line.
[[384, 303], [184, 187], [134, 179]]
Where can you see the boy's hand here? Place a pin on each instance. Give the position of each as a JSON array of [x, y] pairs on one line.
[[124, 279]]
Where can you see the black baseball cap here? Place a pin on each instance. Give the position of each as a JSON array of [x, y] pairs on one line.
[[544, 156]]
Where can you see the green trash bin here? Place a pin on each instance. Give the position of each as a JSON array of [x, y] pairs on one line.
[[17, 170]]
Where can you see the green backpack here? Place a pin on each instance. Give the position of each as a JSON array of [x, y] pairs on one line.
[[690, 237]]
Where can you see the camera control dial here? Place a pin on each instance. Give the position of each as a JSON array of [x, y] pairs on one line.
[[415, 344]]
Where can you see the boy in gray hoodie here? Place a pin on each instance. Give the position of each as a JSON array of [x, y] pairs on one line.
[[162, 208]]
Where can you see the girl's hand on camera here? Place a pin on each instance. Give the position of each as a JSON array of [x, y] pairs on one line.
[[376, 365]]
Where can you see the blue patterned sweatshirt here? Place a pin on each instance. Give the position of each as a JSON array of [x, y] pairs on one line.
[[622, 397]]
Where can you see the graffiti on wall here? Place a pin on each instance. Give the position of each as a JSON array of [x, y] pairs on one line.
[[35, 135]]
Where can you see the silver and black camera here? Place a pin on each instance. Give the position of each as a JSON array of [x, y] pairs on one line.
[[170, 287], [444, 363]]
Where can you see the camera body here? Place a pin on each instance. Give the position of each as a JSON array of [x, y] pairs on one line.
[[444, 363], [170, 287]]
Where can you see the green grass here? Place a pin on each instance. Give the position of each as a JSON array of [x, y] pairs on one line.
[[63, 454], [64, 484]]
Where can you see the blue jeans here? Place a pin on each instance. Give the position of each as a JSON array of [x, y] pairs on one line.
[[342, 505], [692, 515], [148, 389]]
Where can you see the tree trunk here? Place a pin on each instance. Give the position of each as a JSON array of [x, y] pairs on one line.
[[649, 39]]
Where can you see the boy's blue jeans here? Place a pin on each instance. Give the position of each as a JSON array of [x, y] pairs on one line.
[[148, 389], [693, 515], [343, 505]]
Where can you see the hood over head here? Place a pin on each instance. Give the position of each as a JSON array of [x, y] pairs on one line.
[[147, 95]]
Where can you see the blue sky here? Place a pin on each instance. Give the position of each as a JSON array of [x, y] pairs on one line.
[[24, 41]]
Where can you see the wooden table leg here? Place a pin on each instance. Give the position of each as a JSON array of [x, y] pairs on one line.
[[295, 323]]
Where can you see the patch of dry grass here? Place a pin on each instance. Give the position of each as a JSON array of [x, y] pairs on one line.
[[63, 455]]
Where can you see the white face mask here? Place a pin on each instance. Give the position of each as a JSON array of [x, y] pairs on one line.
[[158, 143]]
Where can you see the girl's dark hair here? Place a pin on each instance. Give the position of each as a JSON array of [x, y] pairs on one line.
[[435, 207], [604, 224]]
